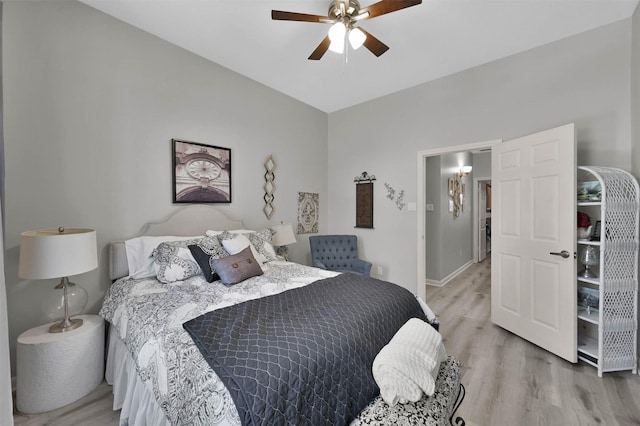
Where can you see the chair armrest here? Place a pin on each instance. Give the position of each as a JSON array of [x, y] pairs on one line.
[[318, 264], [362, 266]]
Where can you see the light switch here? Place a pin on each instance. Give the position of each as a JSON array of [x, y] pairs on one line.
[[411, 207], [429, 207]]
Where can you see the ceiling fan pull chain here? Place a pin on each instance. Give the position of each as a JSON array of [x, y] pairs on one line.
[[346, 49]]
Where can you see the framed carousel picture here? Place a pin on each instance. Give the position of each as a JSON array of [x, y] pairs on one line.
[[201, 173]]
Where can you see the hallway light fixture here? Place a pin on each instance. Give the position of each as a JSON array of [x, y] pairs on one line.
[[465, 170]]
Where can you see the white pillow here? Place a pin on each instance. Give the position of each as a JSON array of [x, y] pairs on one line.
[[263, 245], [173, 261], [239, 243], [139, 257], [212, 233]]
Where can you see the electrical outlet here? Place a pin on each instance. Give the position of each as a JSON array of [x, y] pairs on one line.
[[379, 270]]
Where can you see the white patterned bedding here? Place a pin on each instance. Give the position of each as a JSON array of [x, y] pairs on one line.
[[148, 315]]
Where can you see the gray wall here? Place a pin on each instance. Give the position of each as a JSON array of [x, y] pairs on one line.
[[482, 165], [583, 79], [92, 105], [449, 239], [433, 236], [456, 231]]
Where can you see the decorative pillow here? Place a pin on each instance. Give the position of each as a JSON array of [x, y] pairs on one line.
[[239, 243], [237, 267], [173, 261], [139, 254], [204, 252], [261, 240]]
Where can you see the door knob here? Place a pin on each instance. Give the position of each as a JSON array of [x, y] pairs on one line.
[[564, 254]]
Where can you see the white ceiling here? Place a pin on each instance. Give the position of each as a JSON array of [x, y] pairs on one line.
[[427, 41]]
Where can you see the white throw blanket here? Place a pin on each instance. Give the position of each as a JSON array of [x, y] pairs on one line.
[[408, 365]]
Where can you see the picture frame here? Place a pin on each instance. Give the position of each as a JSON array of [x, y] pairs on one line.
[[364, 205], [595, 236], [308, 212], [201, 173]]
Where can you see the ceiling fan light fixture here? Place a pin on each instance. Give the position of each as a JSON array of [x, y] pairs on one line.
[[356, 38], [337, 46], [336, 35], [337, 32], [343, 16]]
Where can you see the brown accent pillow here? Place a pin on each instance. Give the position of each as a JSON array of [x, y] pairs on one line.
[[237, 268]]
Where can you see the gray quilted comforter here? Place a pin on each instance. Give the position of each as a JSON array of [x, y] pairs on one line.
[[304, 356]]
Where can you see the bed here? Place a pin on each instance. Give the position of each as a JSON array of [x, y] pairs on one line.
[[162, 375]]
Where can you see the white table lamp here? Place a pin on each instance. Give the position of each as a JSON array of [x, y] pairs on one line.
[[282, 237], [58, 253]]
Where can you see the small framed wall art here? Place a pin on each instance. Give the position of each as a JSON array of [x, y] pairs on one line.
[[364, 200], [308, 212], [201, 173], [364, 205]]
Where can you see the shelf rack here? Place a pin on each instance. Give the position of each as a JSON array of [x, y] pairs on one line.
[[615, 323]]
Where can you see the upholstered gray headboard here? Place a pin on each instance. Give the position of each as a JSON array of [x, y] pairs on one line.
[[184, 222]]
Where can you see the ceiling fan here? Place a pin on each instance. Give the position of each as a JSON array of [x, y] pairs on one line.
[[344, 15]]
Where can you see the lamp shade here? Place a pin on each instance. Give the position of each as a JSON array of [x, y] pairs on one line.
[[356, 38], [283, 235], [336, 35], [56, 253]]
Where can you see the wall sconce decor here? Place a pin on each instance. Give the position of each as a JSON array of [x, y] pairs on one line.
[[456, 190], [364, 200], [465, 170], [269, 187], [391, 194]]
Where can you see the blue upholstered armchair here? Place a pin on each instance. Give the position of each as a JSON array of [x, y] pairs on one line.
[[338, 253]]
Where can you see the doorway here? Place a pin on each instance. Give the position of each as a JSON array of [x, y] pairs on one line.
[[481, 218], [421, 201]]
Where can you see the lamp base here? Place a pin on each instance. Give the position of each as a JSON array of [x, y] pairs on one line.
[[65, 325], [283, 251], [587, 273]]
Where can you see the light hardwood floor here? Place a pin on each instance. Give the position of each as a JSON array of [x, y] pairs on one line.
[[94, 409], [509, 381]]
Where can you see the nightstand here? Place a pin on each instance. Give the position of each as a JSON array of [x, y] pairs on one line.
[[56, 369]]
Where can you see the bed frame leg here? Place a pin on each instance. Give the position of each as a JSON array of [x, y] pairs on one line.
[[459, 421]]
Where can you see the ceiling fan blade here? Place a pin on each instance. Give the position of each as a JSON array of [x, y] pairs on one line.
[[280, 15], [387, 6], [373, 44], [321, 49]]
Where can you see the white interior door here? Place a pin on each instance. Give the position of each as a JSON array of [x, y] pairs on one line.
[[482, 221], [533, 291]]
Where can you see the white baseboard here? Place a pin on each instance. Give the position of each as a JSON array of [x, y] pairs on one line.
[[449, 277]]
